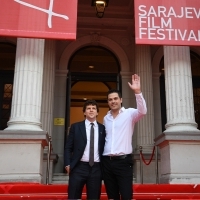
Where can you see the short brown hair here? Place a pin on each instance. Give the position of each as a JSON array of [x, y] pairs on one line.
[[90, 102]]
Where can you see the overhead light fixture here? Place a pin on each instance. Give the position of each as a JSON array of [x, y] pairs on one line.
[[91, 66], [100, 7]]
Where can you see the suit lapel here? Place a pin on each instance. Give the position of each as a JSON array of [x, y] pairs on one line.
[[100, 134], [83, 131]]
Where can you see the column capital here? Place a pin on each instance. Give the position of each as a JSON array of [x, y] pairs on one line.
[[156, 75], [126, 74], [61, 72]]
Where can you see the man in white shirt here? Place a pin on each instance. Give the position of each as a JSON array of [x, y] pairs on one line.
[[117, 156], [83, 153]]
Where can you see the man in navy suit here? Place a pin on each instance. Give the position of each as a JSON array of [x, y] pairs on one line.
[[78, 164]]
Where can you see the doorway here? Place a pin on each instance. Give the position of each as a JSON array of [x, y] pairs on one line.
[[93, 70]]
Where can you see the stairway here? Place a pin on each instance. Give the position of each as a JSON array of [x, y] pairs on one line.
[[62, 178], [31, 191]]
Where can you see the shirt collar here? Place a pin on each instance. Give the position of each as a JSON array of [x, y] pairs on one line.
[[121, 110], [87, 122]]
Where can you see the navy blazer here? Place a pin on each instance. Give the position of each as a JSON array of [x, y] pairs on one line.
[[76, 143]]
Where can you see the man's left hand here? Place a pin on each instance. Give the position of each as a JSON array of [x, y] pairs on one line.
[[135, 86]]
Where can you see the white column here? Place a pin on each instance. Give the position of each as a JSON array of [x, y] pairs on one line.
[[180, 142], [145, 127], [27, 91], [178, 86], [48, 87]]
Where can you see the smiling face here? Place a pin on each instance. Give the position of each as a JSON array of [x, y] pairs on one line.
[[114, 101], [91, 113]]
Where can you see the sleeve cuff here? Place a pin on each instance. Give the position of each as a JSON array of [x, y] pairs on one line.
[[140, 94]]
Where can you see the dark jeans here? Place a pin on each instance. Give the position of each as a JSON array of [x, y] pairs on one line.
[[118, 177], [82, 175]]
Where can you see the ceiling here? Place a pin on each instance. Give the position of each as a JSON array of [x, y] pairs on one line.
[[117, 16], [115, 9]]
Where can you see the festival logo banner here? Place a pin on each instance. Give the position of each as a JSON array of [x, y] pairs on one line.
[[53, 19], [171, 22]]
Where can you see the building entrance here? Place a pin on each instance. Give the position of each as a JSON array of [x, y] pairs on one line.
[[92, 72]]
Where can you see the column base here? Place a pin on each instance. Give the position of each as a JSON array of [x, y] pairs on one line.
[[22, 155], [18, 125], [20, 178], [179, 157], [181, 127]]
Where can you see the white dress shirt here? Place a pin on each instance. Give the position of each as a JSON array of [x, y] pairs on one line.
[[119, 130], [85, 157]]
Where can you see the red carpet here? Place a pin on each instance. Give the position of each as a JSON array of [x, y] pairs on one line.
[[15, 191]]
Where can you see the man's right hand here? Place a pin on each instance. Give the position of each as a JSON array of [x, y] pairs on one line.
[[67, 168]]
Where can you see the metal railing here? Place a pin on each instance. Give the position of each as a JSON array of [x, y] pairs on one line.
[[48, 159]]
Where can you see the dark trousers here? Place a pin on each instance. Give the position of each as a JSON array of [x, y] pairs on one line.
[[118, 177], [83, 175]]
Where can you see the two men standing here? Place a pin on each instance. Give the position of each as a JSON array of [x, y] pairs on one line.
[[114, 144]]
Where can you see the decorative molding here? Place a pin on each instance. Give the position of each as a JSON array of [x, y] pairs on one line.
[[61, 72], [126, 74], [104, 42], [156, 75], [125, 41], [95, 37]]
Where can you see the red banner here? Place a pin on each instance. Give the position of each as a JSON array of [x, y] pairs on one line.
[[55, 19], [167, 22]]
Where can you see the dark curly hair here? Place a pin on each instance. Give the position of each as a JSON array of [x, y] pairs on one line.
[[90, 102]]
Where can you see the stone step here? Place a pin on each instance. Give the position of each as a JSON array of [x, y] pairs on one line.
[[60, 178]]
